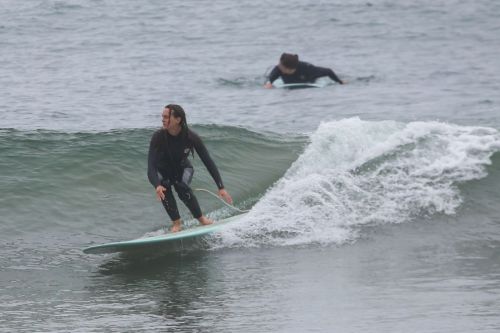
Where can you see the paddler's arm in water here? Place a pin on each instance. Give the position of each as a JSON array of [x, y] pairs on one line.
[[153, 171], [202, 151], [275, 73], [323, 71]]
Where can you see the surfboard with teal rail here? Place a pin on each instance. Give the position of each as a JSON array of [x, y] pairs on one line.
[[164, 239]]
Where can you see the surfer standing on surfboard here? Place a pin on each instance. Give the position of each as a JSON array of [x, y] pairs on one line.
[[292, 70], [168, 165]]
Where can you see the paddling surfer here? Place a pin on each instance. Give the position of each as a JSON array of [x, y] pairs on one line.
[[292, 70]]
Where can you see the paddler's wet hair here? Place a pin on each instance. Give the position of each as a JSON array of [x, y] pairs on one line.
[[289, 60]]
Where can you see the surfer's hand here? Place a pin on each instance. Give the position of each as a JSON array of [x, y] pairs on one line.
[[268, 85], [160, 192], [224, 195]]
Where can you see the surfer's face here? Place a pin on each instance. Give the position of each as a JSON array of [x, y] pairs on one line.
[[165, 117], [170, 121], [286, 70]]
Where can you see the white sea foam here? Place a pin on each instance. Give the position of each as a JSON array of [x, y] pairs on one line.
[[358, 172]]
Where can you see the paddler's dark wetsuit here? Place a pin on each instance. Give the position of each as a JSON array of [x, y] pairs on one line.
[[168, 165], [304, 73]]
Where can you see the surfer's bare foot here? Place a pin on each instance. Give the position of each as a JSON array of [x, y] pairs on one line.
[[205, 221], [176, 226]]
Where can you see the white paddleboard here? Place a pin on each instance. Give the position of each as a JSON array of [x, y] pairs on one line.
[[160, 239]]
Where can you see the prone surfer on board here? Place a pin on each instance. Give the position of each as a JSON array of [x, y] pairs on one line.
[[168, 165], [292, 70]]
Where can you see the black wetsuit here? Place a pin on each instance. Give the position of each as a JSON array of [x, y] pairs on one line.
[[168, 165], [305, 73]]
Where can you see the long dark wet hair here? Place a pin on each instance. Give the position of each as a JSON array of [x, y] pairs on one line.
[[178, 112]]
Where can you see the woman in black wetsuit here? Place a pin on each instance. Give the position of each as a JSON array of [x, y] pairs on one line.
[[168, 165]]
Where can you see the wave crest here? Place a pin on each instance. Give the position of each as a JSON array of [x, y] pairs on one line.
[[355, 173]]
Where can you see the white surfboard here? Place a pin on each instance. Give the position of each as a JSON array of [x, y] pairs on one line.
[[160, 239], [319, 83]]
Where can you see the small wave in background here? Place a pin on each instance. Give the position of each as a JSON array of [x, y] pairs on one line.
[[97, 183]]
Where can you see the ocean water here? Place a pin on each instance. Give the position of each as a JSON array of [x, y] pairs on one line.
[[373, 205]]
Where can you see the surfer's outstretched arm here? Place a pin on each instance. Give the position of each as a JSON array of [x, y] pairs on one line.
[[153, 177], [318, 72], [202, 151]]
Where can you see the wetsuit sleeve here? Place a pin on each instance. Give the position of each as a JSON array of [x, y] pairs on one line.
[[275, 73], [202, 151], [152, 162], [323, 71]]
